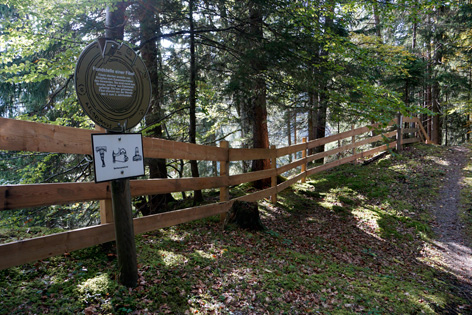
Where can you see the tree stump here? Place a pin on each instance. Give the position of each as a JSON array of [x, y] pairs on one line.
[[245, 215]]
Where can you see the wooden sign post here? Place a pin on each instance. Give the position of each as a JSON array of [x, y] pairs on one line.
[[114, 90]]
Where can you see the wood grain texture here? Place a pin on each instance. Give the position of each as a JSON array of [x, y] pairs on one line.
[[35, 195], [18, 135], [351, 158], [21, 252], [248, 154], [410, 140], [251, 176], [166, 149], [351, 146]]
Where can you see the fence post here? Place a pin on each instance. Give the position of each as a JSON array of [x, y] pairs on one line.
[[399, 132], [106, 208], [304, 164], [353, 140], [273, 179], [106, 211], [224, 172]]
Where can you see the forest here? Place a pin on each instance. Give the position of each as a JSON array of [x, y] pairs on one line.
[[254, 72]]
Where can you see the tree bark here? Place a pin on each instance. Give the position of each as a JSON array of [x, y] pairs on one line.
[[258, 96], [320, 122], [245, 215], [115, 21], [289, 132], [378, 30], [149, 27], [197, 197], [311, 119], [436, 123]]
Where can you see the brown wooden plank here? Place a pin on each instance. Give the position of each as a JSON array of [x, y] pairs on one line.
[[251, 176], [410, 140], [18, 135], [333, 164], [164, 186], [106, 211], [288, 167], [423, 132], [21, 252], [161, 220], [248, 154], [409, 119], [348, 159], [35, 195], [409, 130], [13, 197], [224, 173], [290, 182], [166, 149], [304, 165], [342, 135], [259, 195], [350, 146], [291, 149], [314, 143]]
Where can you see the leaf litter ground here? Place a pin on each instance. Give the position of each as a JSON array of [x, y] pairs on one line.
[[356, 239]]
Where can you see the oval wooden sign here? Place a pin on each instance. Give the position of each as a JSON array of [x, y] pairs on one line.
[[112, 85]]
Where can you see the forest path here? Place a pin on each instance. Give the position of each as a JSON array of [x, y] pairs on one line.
[[451, 242]]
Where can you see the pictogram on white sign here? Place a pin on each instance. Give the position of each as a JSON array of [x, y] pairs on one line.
[[117, 156]]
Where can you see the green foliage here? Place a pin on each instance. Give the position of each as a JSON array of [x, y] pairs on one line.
[[313, 55]]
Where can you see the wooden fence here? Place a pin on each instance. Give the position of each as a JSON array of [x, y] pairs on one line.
[[18, 135]]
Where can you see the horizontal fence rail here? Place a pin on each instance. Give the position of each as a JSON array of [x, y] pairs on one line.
[[18, 135]]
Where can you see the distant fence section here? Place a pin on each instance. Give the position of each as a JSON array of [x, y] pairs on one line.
[[18, 135]]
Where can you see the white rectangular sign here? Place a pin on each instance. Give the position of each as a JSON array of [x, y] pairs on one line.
[[117, 156]]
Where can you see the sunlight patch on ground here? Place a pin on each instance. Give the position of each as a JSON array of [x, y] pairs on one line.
[[206, 255], [437, 160], [367, 221], [171, 259], [431, 256], [99, 288], [176, 236]]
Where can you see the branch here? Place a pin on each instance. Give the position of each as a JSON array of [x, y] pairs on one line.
[[53, 96], [164, 118], [186, 32]]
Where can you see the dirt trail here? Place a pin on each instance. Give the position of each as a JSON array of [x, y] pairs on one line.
[[451, 242]]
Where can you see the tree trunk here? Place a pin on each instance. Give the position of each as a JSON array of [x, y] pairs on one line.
[[469, 99], [245, 215], [320, 122], [378, 31], [258, 96], [311, 119], [289, 132], [197, 197], [322, 104], [149, 27], [436, 123]]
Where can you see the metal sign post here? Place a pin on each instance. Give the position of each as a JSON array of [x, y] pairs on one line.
[[114, 90]]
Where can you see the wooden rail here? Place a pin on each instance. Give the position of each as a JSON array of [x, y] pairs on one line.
[[18, 135]]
